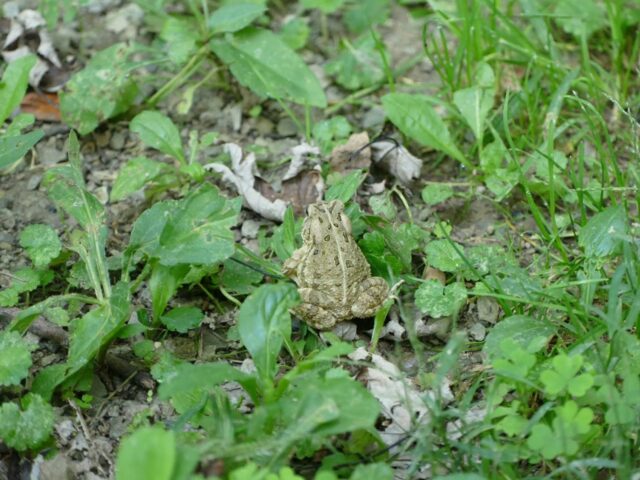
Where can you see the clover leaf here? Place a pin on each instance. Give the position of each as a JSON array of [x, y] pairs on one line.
[[15, 358], [564, 376], [439, 301], [26, 427], [41, 243]]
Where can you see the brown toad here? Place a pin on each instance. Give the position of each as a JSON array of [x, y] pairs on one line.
[[333, 277]]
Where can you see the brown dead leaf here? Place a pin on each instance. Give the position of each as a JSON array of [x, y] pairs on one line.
[[43, 106], [348, 157], [431, 273], [300, 191]]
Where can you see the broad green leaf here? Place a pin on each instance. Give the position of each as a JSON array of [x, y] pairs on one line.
[[14, 148], [66, 187], [443, 255], [15, 358], [357, 66], [234, 16], [196, 229], [355, 408], [181, 36], [97, 328], [520, 328], [436, 193], [460, 476], [26, 426], [346, 187], [265, 64], [135, 174], [157, 131], [185, 383], [182, 319], [416, 118], [364, 14], [580, 18], [438, 301], [9, 297], [25, 280], [603, 232], [326, 6], [372, 471], [13, 86], [102, 90], [295, 33], [264, 323], [41, 243], [476, 102], [148, 454], [238, 278], [163, 283]]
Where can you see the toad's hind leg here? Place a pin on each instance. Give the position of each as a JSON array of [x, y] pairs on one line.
[[314, 309], [371, 295]]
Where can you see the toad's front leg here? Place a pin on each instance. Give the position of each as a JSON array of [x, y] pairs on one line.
[[315, 309]]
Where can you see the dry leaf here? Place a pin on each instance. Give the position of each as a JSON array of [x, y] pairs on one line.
[[48, 73], [299, 156], [351, 155], [301, 191], [43, 106], [397, 160], [242, 174]]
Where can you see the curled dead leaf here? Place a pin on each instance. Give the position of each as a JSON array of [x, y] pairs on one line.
[[353, 155], [397, 160]]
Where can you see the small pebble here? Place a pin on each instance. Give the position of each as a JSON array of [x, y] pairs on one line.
[[117, 140], [477, 331], [286, 127]]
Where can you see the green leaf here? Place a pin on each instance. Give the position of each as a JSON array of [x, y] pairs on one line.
[[416, 118], [238, 278], [283, 240], [357, 66], [157, 131], [182, 319], [295, 33], [135, 174], [436, 193], [327, 132], [184, 384], [41, 243], [14, 148], [580, 18], [262, 62], [148, 454], [442, 254], [163, 283], [195, 230], [476, 102], [603, 232], [372, 471], [438, 301], [515, 362], [181, 36], [346, 187], [13, 86], [234, 16], [564, 376], [340, 403], [97, 328], [26, 426], [25, 280], [9, 297], [365, 14], [15, 358], [325, 6], [520, 328], [102, 90], [264, 323]]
